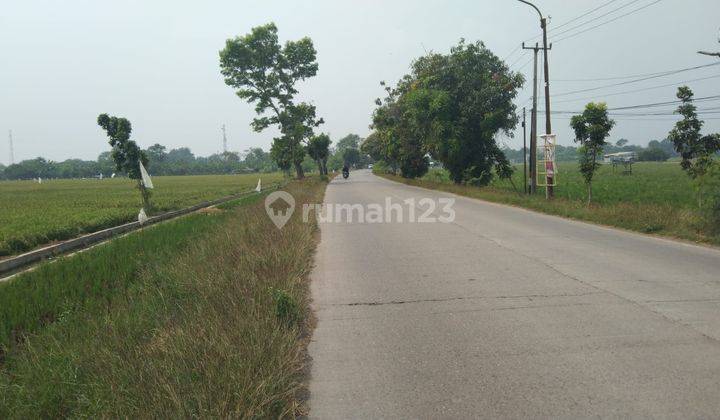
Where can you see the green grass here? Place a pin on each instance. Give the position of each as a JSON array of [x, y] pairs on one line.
[[650, 183], [33, 214], [202, 316], [656, 198]]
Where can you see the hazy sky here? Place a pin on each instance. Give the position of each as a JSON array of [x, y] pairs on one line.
[[156, 63]]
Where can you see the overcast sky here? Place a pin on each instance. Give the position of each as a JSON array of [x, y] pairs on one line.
[[156, 63]]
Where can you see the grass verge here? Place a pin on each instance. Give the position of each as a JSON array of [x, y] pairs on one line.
[[663, 219], [200, 316]]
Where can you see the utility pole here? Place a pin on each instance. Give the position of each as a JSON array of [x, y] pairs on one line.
[[549, 178], [550, 172], [525, 174], [224, 140], [533, 121], [12, 151]]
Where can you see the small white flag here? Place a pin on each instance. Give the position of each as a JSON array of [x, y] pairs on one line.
[[147, 182], [39, 180], [101, 175], [113, 175], [142, 217], [259, 186]]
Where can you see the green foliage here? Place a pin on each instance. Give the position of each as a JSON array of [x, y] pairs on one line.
[[591, 128], [266, 74], [351, 141], [126, 154], [450, 107], [653, 154], [257, 160], [351, 157], [319, 150], [286, 309], [696, 150]]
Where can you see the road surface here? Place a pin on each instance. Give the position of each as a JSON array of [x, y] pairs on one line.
[[508, 313]]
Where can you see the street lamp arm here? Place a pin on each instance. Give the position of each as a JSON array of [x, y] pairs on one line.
[[533, 6]]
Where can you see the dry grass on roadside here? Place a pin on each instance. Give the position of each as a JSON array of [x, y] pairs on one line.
[[217, 331]]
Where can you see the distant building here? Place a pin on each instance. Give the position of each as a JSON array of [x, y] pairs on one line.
[[621, 158]]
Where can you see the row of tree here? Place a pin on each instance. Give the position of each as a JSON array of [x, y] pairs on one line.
[[449, 108], [175, 162], [182, 161]]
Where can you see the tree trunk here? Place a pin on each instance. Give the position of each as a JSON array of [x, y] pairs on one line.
[[300, 174], [589, 193], [320, 168], [324, 165]]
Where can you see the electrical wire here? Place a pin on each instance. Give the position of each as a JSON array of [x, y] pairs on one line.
[[606, 22], [596, 18], [638, 90], [642, 79], [601, 79]]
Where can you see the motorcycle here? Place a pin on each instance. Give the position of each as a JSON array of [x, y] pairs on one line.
[[346, 174]]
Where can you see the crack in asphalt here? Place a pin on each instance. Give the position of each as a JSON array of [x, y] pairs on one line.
[[402, 302]]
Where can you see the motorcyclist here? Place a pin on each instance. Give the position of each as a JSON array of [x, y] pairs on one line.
[[346, 171]]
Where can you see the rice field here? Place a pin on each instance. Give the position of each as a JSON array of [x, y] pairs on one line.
[[33, 214], [649, 183]]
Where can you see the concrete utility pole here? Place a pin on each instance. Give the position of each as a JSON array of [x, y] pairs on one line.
[[548, 126], [525, 174], [12, 151], [533, 123]]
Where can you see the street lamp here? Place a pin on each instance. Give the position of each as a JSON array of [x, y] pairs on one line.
[[548, 126]]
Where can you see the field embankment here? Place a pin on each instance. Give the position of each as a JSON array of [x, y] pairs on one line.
[[656, 198], [200, 316], [33, 214]]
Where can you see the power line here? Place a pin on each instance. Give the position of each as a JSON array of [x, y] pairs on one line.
[[581, 16], [512, 52], [636, 80], [650, 105], [515, 62], [524, 65], [606, 22], [601, 79], [639, 90], [596, 18], [656, 104], [584, 14]]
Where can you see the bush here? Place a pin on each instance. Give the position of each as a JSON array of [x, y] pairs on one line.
[[653, 154]]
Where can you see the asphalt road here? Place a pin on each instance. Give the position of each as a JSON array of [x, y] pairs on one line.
[[508, 313]]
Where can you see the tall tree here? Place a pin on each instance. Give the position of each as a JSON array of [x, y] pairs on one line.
[[696, 151], [126, 154], [319, 150], [452, 106], [591, 128], [401, 146], [265, 73]]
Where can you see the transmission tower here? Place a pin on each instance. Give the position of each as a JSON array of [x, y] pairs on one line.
[[12, 151]]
